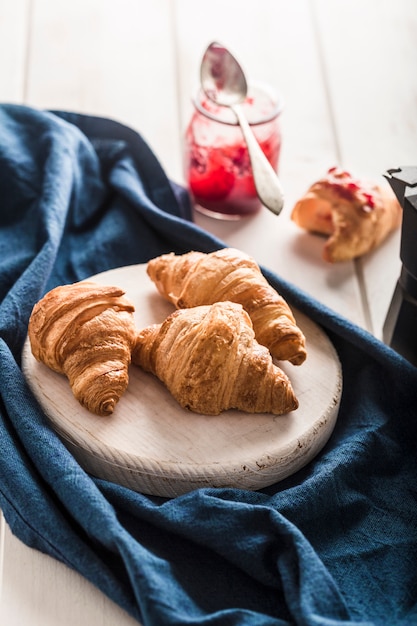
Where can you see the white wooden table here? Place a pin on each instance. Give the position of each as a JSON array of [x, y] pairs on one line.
[[347, 71]]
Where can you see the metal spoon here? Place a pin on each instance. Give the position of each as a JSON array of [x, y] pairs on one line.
[[224, 82]]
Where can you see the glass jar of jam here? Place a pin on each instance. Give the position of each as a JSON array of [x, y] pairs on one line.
[[216, 160]]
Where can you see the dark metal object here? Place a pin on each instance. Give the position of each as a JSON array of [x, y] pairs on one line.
[[400, 328]]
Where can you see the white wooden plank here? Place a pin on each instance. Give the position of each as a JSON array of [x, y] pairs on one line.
[[370, 53], [276, 45], [108, 58], [14, 18], [40, 591], [370, 56]]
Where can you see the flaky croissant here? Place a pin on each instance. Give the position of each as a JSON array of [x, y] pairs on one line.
[[196, 278], [86, 331], [357, 216], [210, 361]]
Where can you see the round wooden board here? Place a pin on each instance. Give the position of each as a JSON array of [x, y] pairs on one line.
[[152, 445]]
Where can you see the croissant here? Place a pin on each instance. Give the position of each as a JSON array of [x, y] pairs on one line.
[[86, 331], [356, 216], [210, 361], [197, 278]]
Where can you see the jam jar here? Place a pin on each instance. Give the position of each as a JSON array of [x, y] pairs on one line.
[[216, 160]]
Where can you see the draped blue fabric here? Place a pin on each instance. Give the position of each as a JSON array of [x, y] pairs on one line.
[[336, 543]]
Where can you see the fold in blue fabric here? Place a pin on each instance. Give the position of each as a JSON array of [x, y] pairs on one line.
[[336, 543]]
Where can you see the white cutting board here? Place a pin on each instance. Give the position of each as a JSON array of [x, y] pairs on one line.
[[152, 445]]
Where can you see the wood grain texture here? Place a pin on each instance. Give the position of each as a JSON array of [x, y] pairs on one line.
[[38, 590], [113, 59], [14, 43], [150, 444]]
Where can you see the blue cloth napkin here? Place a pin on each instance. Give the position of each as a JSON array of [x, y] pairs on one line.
[[334, 544]]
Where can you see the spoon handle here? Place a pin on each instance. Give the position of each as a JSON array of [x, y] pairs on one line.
[[265, 178]]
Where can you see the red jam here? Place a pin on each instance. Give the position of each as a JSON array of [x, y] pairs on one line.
[[350, 189], [217, 165]]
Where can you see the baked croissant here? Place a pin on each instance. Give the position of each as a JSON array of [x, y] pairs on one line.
[[210, 361], [86, 331], [357, 216], [197, 278]]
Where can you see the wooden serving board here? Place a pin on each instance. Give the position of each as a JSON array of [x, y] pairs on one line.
[[152, 445]]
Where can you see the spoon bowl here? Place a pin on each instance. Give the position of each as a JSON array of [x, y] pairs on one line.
[[224, 82], [222, 78]]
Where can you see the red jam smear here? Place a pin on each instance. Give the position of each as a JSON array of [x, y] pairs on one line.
[[349, 188]]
